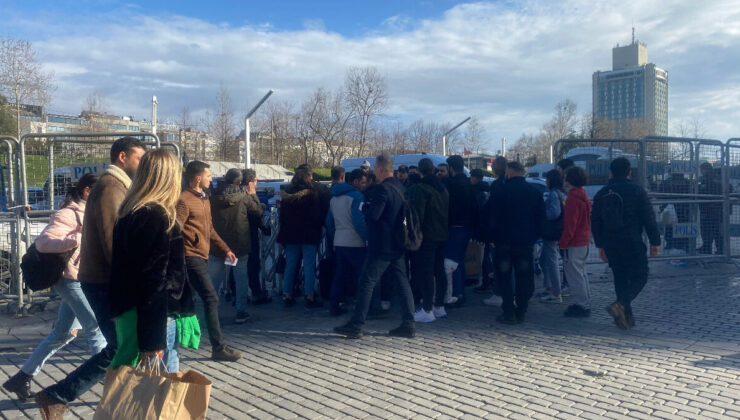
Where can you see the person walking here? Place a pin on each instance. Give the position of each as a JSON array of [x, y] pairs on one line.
[[61, 235], [487, 223], [346, 225], [384, 213], [96, 249], [260, 296], [518, 213], [301, 221], [575, 239], [621, 213], [231, 212], [149, 289], [430, 199], [552, 230], [462, 217], [194, 216]]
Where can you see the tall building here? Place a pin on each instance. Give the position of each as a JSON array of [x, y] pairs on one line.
[[633, 96]]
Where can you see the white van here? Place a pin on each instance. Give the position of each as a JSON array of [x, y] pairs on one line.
[[540, 170]]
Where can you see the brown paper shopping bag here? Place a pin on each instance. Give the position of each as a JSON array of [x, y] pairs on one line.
[[131, 393]]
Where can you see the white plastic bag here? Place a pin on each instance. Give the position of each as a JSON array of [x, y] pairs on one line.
[[668, 216]]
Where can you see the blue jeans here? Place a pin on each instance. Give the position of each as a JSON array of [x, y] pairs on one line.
[[372, 271], [171, 357], [457, 244], [93, 370], [74, 314], [292, 255], [550, 267], [349, 261], [219, 272]]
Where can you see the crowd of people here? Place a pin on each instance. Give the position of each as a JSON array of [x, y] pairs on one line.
[[154, 238]]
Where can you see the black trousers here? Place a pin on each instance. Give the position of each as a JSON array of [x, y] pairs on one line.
[[254, 265], [630, 267], [518, 258], [201, 282], [428, 274]]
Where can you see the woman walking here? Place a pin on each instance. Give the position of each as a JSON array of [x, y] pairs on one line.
[[61, 235], [149, 289], [551, 232]]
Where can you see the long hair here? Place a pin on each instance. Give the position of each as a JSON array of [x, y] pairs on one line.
[[75, 194], [157, 181]]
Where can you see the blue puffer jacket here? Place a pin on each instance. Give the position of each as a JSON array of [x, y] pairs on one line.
[[345, 220]]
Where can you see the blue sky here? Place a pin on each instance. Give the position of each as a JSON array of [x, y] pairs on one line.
[[506, 62]]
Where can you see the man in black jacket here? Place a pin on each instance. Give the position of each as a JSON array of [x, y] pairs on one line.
[[462, 217], [487, 222], [620, 213], [518, 211], [384, 213]]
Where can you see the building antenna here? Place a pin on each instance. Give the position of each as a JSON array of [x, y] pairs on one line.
[[633, 32]]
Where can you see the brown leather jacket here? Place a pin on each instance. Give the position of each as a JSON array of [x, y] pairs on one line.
[[194, 215]]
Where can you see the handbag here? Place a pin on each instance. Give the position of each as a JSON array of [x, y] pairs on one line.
[[151, 394], [42, 270]]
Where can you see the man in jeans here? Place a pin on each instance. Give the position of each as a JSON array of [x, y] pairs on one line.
[[518, 213], [384, 214], [617, 223], [194, 215], [101, 212], [462, 216], [256, 223], [231, 214], [430, 200], [347, 228]]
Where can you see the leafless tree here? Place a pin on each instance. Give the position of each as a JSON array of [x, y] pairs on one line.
[[94, 108], [21, 77], [473, 136], [367, 97], [185, 119], [222, 126], [328, 119]]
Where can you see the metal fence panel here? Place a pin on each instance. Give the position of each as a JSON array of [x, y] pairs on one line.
[[9, 185], [732, 182]]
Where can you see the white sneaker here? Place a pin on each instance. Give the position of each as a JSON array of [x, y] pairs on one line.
[[423, 316], [493, 301], [439, 312], [385, 305], [452, 300], [551, 299]]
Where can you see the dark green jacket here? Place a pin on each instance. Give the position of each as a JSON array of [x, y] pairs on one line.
[[231, 210], [431, 201]]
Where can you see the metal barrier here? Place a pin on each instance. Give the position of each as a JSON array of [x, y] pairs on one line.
[[8, 176], [731, 175]]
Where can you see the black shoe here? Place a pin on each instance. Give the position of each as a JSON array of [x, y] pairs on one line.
[[381, 314], [20, 383], [519, 316], [337, 311], [402, 331], [348, 330], [616, 310], [226, 354], [575, 311], [264, 299], [241, 317], [483, 290], [313, 304], [508, 319], [288, 301]]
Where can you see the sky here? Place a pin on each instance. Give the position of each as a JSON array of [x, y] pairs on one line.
[[507, 63]]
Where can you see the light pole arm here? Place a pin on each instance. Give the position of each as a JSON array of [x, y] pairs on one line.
[[247, 139], [444, 136]]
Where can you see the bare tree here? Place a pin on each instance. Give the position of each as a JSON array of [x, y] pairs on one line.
[[22, 79], [367, 97], [693, 128], [473, 137], [328, 119], [95, 107], [221, 125], [185, 119]]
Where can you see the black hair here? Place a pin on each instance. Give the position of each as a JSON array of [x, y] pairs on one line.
[[515, 166], [75, 194], [403, 169], [337, 172], [124, 144], [233, 176], [576, 176], [566, 163], [354, 175], [443, 164], [456, 162], [554, 179], [413, 167], [248, 175], [476, 173], [195, 168], [620, 167], [426, 167], [302, 173]]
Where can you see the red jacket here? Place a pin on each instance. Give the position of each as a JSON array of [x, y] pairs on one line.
[[576, 220]]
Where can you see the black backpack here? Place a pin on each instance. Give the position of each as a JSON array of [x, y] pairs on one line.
[[411, 224], [552, 230], [42, 270], [612, 211]]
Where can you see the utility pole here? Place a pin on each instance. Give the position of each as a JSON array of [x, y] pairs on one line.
[[247, 151], [444, 136], [503, 146], [154, 115]]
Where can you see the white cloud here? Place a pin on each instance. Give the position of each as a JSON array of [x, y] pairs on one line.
[[506, 63]]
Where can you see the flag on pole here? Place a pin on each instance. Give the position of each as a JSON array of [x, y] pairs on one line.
[[466, 152]]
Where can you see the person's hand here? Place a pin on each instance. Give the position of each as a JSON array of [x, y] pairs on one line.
[[231, 257], [654, 250], [602, 255]]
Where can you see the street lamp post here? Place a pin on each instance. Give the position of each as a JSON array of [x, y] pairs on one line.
[[247, 151], [444, 136]]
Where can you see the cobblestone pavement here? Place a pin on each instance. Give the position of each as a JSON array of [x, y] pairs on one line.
[[681, 361]]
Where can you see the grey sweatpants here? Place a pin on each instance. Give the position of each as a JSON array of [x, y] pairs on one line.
[[575, 272]]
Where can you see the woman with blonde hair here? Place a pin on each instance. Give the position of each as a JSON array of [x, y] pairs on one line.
[[149, 289]]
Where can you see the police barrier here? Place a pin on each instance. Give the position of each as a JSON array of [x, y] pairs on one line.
[[8, 168], [684, 178], [732, 206]]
